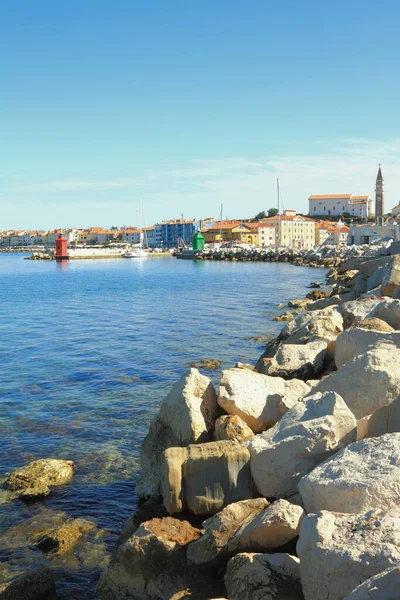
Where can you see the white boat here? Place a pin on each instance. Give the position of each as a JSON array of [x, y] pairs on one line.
[[138, 251]]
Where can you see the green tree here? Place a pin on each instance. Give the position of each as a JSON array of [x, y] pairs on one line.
[[272, 212], [260, 215]]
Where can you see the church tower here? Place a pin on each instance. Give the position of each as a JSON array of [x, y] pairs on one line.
[[379, 196]]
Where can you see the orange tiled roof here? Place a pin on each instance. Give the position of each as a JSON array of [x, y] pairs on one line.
[[289, 218], [329, 196]]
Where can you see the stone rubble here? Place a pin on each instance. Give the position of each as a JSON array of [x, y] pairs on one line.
[[306, 449]]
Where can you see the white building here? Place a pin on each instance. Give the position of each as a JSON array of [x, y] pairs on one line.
[[336, 205], [365, 234], [266, 235], [293, 230]]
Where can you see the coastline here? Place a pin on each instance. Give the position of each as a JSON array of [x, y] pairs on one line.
[[186, 464], [312, 319]]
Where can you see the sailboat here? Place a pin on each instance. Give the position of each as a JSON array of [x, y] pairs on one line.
[[138, 251]]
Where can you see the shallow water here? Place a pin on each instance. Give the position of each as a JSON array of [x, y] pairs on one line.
[[87, 351]]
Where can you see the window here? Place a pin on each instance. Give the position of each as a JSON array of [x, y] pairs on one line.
[[315, 208]]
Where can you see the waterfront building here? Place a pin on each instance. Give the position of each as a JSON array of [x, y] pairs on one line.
[[176, 230], [365, 234], [293, 230], [396, 211], [332, 233], [229, 231], [379, 198], [131, 235], [338, 204]]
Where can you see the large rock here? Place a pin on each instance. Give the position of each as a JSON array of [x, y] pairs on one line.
[[375, 325], [362, 476], [391, 277], [356, 341], [263, 577], [384, 586], [278, 524], [35, 479], [297, 361], [367, 382], [66, 536], [232, 427], [307, 327], [259, 400], [338, 552], [151, 564], [323, 303], [357, 310], [384, 420], [187, 416], [211, 547], [204, 478], [36, 585], [387, 310], [309, 432]]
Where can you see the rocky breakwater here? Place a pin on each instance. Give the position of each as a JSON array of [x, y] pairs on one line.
[[323, 256], [285, 482]]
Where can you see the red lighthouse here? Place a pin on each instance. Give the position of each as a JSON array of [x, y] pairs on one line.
[[61, 247]]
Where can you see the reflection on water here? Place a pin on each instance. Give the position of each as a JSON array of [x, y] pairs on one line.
[[88, 349]]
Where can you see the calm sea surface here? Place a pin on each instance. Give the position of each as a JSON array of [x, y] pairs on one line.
[[87, 351]]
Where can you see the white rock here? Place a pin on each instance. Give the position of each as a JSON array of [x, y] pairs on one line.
[[187, 415], [263, 577], [309, 432], [391, 277], [367, 382], [211, 547], [338, 552], [353, 342], [257, 399], [388, 310], [384, 586], [362, 476], [357, 310], [301, 361], [274, 527], [316, 325]]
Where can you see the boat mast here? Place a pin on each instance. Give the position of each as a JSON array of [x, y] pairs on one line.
[[279, 214]]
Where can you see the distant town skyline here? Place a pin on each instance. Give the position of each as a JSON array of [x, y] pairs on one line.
[[190, 106]]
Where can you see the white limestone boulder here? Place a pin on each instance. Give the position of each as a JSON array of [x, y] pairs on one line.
[[211, 547], [309, 433], [384, 586], [384, 420], [204, 478], [307, 327], [251, 576], [303, 361], [338, 552], [259, 400], [387, 310], [362, 476], [187, 416], [367, 382], [353, 342], [357, 310], [278, 524]]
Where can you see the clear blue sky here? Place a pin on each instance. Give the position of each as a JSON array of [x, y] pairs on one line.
[[190, 104]]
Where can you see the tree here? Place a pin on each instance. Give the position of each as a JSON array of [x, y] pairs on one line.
[[272, 212], [260, 215]]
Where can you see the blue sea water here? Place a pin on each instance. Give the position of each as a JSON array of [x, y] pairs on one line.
[[88, 349]]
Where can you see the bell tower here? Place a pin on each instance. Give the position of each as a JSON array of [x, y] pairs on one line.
[[379, 198]]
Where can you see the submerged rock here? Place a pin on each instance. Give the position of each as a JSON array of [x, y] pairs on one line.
[[36, 585], [34, 480], [64, 537]]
